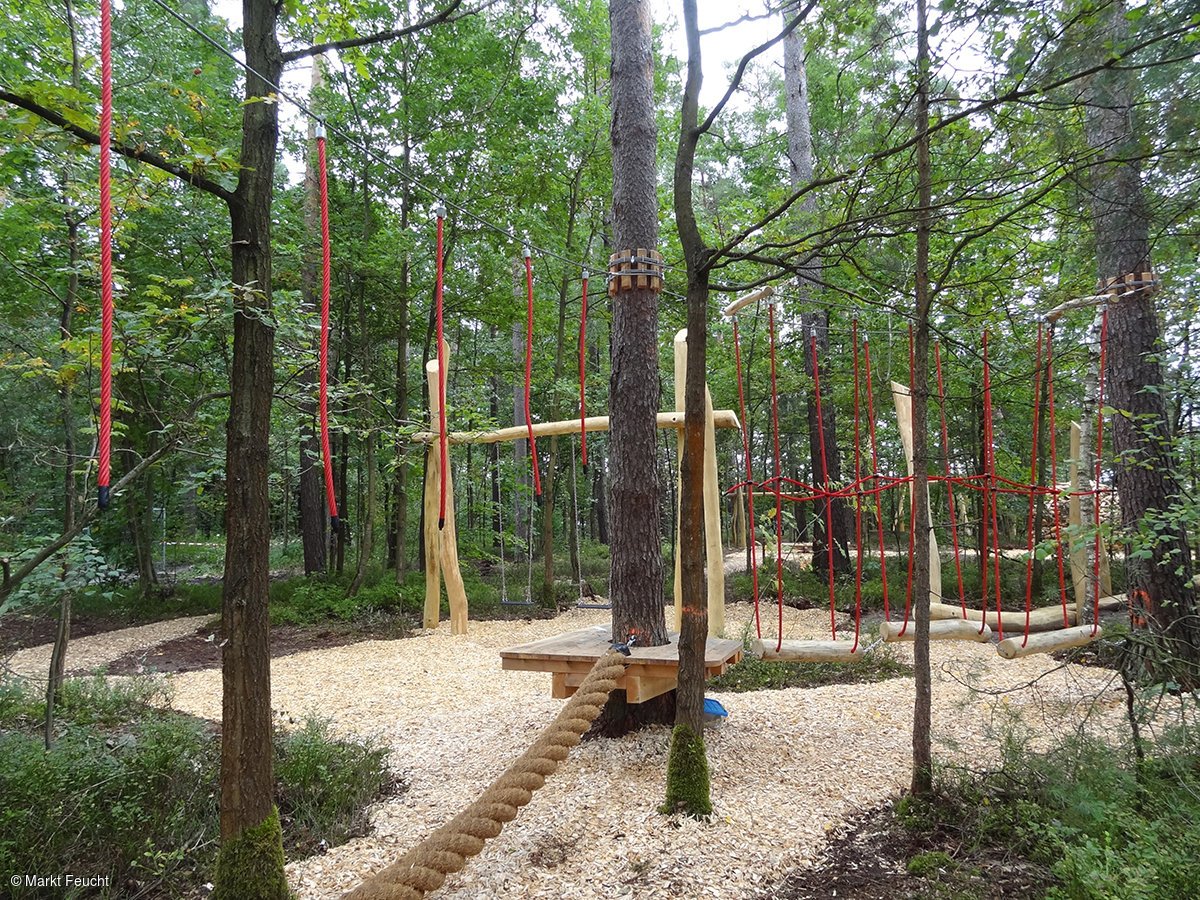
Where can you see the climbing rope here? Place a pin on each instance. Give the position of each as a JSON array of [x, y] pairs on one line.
[[875, 476], [583, 376], [537, 481], [816, 375], [330, 494], [443, 437], [446, 850], [962, 594], [106, 262]]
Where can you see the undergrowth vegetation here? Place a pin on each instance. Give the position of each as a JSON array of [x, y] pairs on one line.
[[129, 789], [1106, 826]]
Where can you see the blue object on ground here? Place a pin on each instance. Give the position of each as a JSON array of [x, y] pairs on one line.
[[713, 710]]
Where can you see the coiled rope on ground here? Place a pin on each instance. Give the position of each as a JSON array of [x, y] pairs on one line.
[[425, 867]]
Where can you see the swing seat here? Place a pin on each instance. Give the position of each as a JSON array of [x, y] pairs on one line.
[[810, 651], [594, 603], [1048, 641], [939, 630]]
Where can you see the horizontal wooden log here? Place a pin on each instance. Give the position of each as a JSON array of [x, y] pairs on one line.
[[1048, 641], [722, 418], [810, 651], [941, 630], [742, 302], [1047, 618]]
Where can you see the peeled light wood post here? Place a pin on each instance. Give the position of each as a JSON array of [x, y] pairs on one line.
[[433, 567], [903, 401], [1075, 524], [1048, 642], [712, 525], [810, 651], [722, 418], [444, 539], [940, 630], [680, 345]]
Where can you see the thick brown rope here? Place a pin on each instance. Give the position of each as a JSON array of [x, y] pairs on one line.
[[425, 867]]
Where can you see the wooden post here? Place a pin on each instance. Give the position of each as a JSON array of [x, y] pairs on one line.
[[680, 385], [1075, 524], [903, 404], [433, 571], [714, 553], [444, 540]]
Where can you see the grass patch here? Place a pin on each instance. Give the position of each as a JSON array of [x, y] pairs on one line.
[[755, 674], [130, 788]]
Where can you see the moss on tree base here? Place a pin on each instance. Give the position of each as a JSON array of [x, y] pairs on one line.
[[250, 866], [687, 775]]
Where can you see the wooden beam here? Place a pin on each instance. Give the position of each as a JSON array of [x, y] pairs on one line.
[[714, 553], [941, 630], [1046, 618], [722, 418], [1048, 642], [903, 402], [679, 344], [810, 651], [742, 302], [444, 539]]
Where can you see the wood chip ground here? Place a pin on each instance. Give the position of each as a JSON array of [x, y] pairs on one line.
[[788, 766]]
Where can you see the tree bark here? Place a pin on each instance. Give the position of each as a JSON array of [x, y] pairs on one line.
[[1146, 480], [247, 787], [814, 320]]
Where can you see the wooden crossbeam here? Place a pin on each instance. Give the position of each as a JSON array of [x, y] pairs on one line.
[[722, 418]]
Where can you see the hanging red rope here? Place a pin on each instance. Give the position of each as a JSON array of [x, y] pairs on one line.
[[990, 491], [537, 481], [858, 544], [737, 358], [106, 262], [582, 372], [443, 436], [875, 477], [778, 473], [986, 481], [1058, 546], [962, 594], [1096, 480], [1033, 485], [816, 373], [330, 495]]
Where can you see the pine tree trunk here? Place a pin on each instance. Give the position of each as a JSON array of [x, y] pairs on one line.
[[1146, 477]]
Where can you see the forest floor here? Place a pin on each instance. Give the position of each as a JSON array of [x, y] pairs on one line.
[[802, 777]]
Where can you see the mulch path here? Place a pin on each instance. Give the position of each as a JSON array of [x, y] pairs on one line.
[[21, 630]]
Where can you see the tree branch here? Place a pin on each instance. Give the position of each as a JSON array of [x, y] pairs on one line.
[[148, 157], [377, 38], [11, 581]]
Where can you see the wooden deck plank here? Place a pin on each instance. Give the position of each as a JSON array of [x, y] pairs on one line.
[[650, 671]]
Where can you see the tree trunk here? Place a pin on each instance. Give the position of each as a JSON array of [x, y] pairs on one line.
[[814, 320], [1146, 478], [922, 772], [251, 858], [312, 485]]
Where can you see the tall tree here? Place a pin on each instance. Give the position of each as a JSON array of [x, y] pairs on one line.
[[1159, 583]]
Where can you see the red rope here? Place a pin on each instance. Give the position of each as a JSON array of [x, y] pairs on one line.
[[443, 363], [875, 475], [824, 485], [537, 481], [106, 262], [330, 496], [858, 543], [1058, 546], [962, 594], [737, 357], [1096, 480], [986, 484], [778, 496], [1033, 485], [583, 370]]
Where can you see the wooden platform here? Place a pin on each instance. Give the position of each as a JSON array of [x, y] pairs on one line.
[[649, 671]]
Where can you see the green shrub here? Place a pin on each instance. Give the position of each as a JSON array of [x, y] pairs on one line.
[[325, 784], [130, 790], [753, 673], [929, 863]]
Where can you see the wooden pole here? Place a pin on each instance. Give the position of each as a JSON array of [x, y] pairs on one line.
[[941, 630], [433, 572], [714, 553], [722, 418], [1049, 642], [1075, 524], [810, 651], [903, 404], [680, 345], [444, 540], [742, 302]]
